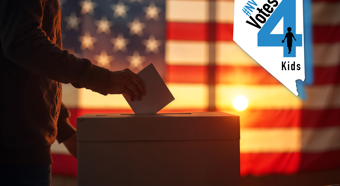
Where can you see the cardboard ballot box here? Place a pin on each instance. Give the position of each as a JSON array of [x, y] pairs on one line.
[[187, 149]]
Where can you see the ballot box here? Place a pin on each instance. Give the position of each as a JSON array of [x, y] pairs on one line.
[[175, 149]]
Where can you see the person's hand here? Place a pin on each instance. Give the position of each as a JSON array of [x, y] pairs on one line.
[[283, 41], [71, 145], [127, 83]]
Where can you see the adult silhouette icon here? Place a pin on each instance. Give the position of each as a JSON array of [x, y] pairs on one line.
[[289, 37]]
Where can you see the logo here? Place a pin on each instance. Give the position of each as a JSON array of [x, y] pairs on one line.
[[272, 33]]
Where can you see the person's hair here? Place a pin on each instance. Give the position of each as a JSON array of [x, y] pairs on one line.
[[289, 29]]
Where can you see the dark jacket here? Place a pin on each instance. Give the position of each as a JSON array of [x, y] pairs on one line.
[[32, 68]]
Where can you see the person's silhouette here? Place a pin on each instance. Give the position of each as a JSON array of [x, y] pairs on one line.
[[289, 37]]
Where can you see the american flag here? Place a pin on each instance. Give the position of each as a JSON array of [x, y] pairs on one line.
[[190, 42]]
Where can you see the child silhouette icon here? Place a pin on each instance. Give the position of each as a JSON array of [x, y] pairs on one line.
[[289, 37]]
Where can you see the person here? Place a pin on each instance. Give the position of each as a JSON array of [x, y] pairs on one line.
[[289, 37], [33, 66]]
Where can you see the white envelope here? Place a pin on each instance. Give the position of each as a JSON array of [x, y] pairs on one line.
[[157, 93]]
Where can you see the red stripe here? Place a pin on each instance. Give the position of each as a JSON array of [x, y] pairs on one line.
[[65, 165], [288, 163], [187, 31], [199, 31], [224, 32], [326, 75], [320, 161], [243, 75], [269, 163], [186, 74], [326, 34]]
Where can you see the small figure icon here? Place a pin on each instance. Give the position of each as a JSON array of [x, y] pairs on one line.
[[289, 37]]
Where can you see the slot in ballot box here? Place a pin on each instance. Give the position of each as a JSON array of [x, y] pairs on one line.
[[182, 149]]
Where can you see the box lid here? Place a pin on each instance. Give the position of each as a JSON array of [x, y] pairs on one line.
[[163, 126]]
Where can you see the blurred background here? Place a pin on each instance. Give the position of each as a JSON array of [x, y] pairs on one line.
[[284, 140]]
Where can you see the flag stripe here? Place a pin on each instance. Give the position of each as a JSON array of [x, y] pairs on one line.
[[250, 75], [320, 140], [287, 163], [257, 118], [326, 34], [324, 12], [278, 97], [199, 31], [270, 140], [187, 96], [190, 96], [269, 163], [326, 160], [61, 161], [230, 54], [224, 32]]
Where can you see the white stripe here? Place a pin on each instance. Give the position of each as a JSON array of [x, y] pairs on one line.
[[69, 96], [259, 96], [197, 11], [229, 53], [57, 148], [194, 96], [270, 140], [326, 55], [186, 53], [322, 97], [289, 140], [225, 12], [326, 13], [92, 100], [187, 96], [187, 11], [321, 139], [278, 97]]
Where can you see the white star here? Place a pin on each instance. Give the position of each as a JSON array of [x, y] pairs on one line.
[[136, 61], [136, 27], [72, 22], [104, 25], [136, 1], [61, 2], [120, 10], [152, 12], [120, 43], [87, 41], [152, 44], [103, 59], [87, 7]]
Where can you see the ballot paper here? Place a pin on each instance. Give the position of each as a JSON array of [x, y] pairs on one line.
[[157, 93]]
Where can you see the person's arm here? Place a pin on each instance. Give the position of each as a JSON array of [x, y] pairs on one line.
[[293, 37], [284, 38], [67, 134], [26, 44]]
